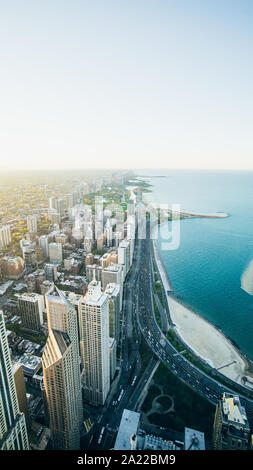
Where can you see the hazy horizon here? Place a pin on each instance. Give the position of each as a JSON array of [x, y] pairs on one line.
[[147, 84]]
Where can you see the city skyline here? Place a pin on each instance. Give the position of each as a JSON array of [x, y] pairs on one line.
[[126, 252], [95, 334], [135, 84]]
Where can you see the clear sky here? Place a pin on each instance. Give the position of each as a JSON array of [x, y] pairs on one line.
[[126, 84]]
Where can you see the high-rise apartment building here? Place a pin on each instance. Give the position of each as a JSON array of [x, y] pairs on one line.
[[113, 292], [32, 223], [55, 252], [52, 203], [94, 333], [5, 236], [124, 255], [93, 271], [60, 206], [87, 243], [50, 272], [113, 274], [231, 428], [61, 371], [108, 233], [43, 243], [13, 433], [31, 311], [70, 200], [30, 258], [59, 386]]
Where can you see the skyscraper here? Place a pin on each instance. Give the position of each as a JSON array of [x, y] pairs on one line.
[[5, 236], [113, 274], [30, 258], [113, 292], [59, 383], [94, 333], [55, 252], [54, 217], [52, 203], [108, 233], [43, 242], [30, 308], [124, 255], [70, 200], [50, 272], [61, 371], [13, 433], [60, 206]]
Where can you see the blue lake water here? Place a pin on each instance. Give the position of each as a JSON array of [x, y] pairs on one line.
[[206, 269]]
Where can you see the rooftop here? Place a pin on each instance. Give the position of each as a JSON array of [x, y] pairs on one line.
[[62, 340], [29, 362], [113, 267], [194, 440], [30, 296], [112, 289], [128, 426], [233, 411]]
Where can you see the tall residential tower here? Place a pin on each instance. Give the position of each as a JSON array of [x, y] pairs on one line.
[[13, 433], [61, 372], [94, 333]]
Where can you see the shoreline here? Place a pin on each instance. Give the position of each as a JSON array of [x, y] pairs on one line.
[[201, 336]]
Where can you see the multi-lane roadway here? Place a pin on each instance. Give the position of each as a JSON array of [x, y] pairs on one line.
[[139, 319]]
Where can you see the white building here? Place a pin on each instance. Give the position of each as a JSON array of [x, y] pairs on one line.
[[113, 274], [54, 217], [94, 334], [108, 233], [70, 200], [32, 223], [60, 206], [52, 203], [127, 434], [124, 255], [5, 236], [55, 252]]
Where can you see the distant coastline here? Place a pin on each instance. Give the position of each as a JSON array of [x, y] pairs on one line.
[[190, 214]]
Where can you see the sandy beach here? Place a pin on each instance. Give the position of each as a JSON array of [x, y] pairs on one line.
[[202, 337]]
